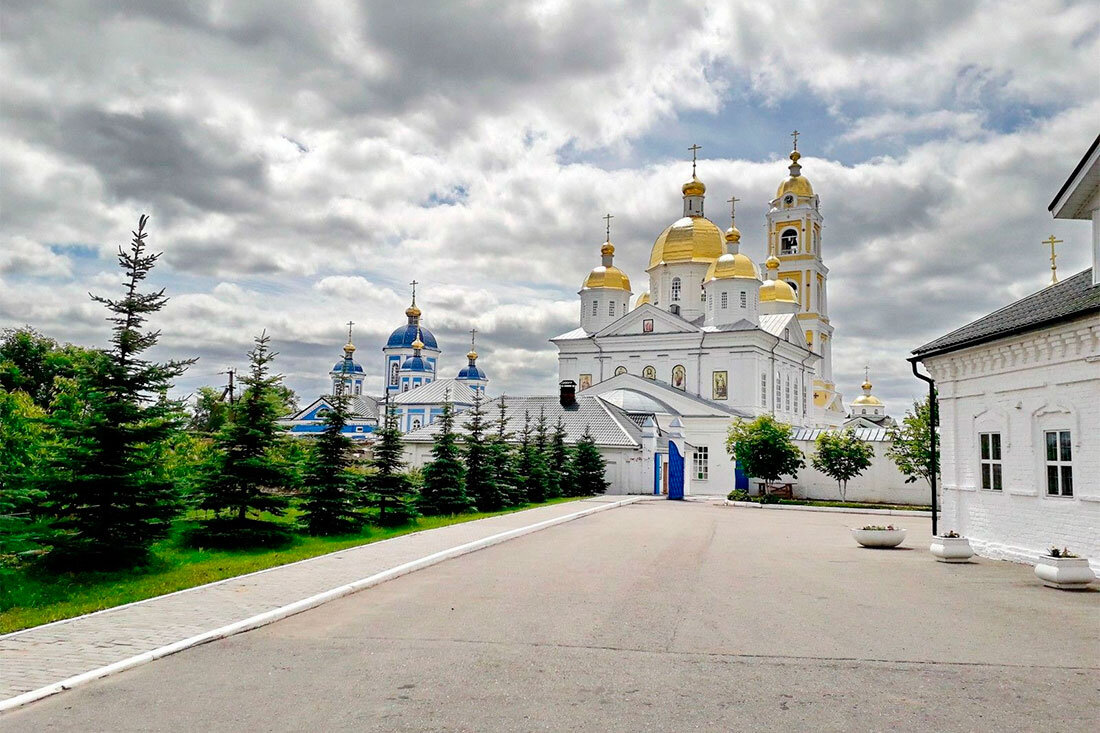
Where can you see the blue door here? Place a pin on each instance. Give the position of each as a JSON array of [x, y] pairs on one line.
[[740, 479], [657, 474], [675, 472]]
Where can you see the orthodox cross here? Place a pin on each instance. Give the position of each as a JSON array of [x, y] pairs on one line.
[[694, 149], [350, 324], [607, 218], [866, 373], [795, 136], [732, 201], [414, 283], [473, 333], [1053, 266]]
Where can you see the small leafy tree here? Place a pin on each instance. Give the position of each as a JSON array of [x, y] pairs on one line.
[[33, 363], [391, 491], [210, 413], [444, 490], [531, 465], [841, 456], [763, 449], [503, 459], [481, 485], [24, 448], [330, 496], [559, 464], [245, 472], [588, 467], [107, 489], [911, 444]]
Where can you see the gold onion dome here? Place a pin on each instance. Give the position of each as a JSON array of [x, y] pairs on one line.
[[774, 289], [607, 249], [694, 187], [349, 347], [795, 183], [866, 398], [691, 239], [607, 276], [732, 265], [643, 299], [412, 312], [733, 235], [418, 344], [471, 354]]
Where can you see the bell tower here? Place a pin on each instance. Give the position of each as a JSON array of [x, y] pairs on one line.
[[794, 237]]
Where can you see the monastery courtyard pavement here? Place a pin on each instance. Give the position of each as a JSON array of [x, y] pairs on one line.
[[654, 616]]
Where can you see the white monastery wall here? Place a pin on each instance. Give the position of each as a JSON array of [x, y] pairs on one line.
[[1021, 387], [881, 482]]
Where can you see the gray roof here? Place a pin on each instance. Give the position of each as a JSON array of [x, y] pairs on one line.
[[871, 435], [363, 406], [436, 393], [609, 425], [1072, 298]]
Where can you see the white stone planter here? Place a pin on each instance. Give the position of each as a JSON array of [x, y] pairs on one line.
[[879, 537], [951, 549], [1065, 573]]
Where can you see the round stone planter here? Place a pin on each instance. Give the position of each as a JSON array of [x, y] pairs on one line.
[[881, 538], [1064, 573], [951, 549]]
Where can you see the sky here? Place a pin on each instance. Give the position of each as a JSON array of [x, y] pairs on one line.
[[301, 163]]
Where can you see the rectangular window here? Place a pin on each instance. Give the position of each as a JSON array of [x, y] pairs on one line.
[[787, 394], [990, 457], [744, 299], [595, 307], [702, 468], [1059, 463], [763, 390], [610, 307], [725, 300], [804, 405], [778, 392]]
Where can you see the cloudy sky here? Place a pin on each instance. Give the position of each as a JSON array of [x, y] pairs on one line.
[[301, 163]]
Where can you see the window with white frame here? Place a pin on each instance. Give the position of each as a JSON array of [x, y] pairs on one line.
[[675, 289], [610, 307], [701, 463], [778, 391], [788, 242], [744, 299], [764, 390], [804, 406], [990, 457], [1059, 463], [787, 393], [595, 307], [725, 300]]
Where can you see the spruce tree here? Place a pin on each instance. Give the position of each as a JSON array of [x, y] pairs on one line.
[[589, 467], [503, 459], [244, 471], [481, 485], [444, 490], [531, 465], [330, 496], [390, 490], [110, 495], [559, 463]]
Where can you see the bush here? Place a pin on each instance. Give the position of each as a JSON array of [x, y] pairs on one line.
[[769, 498], [225, 533], [739, 495]]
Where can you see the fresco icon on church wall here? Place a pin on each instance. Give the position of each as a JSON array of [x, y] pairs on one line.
[[620, 370], [585, 381], [678, 376], [720, 385], [649, 373]]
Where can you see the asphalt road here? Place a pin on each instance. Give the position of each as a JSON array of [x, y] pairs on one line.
[[656, 616]]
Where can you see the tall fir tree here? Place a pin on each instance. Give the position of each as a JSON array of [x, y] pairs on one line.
[[589, 467], [390, 490], [503, 459], [244, 474], [558, 463], [481, 484], [531, 464], [330, 493], [444, 490], [110, 495]]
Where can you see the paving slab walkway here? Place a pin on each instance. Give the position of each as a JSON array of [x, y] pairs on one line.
[[44, 656]]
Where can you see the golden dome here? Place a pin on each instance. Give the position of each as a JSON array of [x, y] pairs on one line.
[[795, 183], [471, 354], [643, 299], [730, 266], [774, 289], [607, 277], [733, 234], [412, 312], [691, 239], [349, 347], [694, 187], [866, 385], [607, 249], [418, 344], [867, 399]]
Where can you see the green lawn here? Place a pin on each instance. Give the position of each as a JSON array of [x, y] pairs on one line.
[[30, 598]]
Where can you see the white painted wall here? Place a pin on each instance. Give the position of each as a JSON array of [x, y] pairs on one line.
[[881, 482], [1021, 386]]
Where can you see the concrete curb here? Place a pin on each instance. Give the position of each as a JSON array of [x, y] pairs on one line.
[[297, 607], [834, 509]]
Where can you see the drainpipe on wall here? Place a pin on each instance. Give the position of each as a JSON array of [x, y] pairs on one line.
[[933, 419], [771, 387], [805, 391]]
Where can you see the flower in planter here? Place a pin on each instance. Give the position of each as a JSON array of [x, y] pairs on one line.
[[951, 535], [879, 528], [1064, 552]]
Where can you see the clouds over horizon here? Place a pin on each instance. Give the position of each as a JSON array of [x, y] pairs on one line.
[[302, 163]]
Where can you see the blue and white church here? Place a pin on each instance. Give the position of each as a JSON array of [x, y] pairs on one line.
[[410, 384]]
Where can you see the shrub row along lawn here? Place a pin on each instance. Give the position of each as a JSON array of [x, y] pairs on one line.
[[31, 597]]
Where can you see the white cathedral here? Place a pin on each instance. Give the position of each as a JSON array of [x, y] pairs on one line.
[[710, 325]]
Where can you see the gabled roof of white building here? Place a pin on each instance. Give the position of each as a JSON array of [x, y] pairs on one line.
[[1072, 298], [664, 394], [1077, 192], [609, 425], [436, 393], [871, 435]]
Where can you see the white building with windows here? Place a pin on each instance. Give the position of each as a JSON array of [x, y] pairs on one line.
[[1019, 403]]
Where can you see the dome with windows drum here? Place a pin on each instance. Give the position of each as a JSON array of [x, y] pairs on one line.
[[607, 275], [795, 183], [690, 239], [774, 289]]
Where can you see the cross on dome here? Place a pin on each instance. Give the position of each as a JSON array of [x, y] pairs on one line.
[[732, 201], [795, 136], [694, 149], [1053, 265], [607, 218]]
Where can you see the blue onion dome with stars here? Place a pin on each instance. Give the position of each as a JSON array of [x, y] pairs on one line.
[[347, 374], [404, 336], [472, 374], [416, 362]]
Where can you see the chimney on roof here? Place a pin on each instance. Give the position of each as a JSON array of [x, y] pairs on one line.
[[568, 395]]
